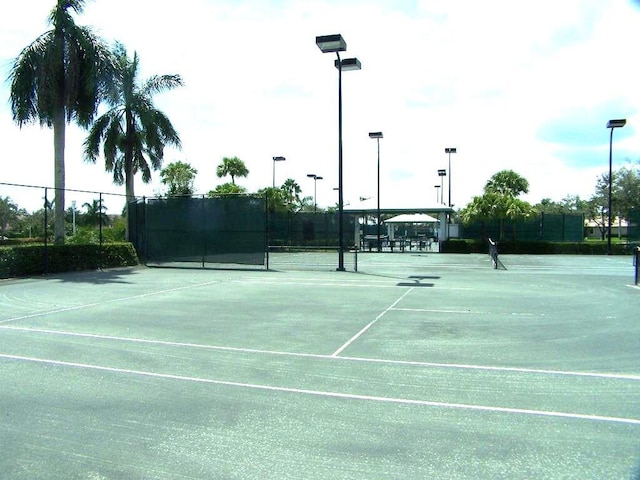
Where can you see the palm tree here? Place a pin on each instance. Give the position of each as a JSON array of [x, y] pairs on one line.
[[507, 182], [96, 213], [132, 130], [58, 78], [291, 193], [179, 178], [234, 167]]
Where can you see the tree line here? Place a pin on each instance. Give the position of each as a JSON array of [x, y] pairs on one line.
[[66, 73], [179, 177], [500, 200]]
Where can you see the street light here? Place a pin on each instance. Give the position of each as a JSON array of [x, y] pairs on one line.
[[329, 44], [378, 136], [276, 159], [315, 182], [442, 173], [450, 150], [437, 187], [73, 209], [612, 124]]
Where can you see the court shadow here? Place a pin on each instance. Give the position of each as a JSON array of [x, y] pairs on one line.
[[96, 277]]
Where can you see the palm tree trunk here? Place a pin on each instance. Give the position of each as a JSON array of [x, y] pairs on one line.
[[128, 168], [59, 133]]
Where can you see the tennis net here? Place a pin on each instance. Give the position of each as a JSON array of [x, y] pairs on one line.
[[310, 258]]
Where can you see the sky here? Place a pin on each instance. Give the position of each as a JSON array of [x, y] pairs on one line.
[[526, 86]]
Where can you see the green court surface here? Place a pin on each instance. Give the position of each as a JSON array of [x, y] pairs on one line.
[[418, 366]]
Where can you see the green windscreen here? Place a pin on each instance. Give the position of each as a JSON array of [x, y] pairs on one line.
[[225, 229]]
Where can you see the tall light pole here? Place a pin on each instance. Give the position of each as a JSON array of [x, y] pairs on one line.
[[73, 209], [276, 159], [612, 124], [328, 44], [378, 136], [315, 182], [437, 187], [450, 150], [442, 173]]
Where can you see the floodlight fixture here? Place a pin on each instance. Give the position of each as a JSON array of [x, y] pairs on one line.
[[276, 159], [377, 136], [315, 182], [619, 123], [327, 44], [612, 124], [348, 64], [450, 150], [331, 43]]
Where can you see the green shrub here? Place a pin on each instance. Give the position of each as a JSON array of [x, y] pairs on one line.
[[25, 260]]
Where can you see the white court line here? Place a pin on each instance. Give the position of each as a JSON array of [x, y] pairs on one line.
[[612, 376], [367, 327], [475, 312], [351, 396], [115, 300]]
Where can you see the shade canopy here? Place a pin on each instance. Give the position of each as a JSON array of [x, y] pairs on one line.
[[412, 218]]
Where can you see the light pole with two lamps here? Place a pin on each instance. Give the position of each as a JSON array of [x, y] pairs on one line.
[[315, 182], [450, 150], [442, 173], [378, 136], [612, 124], [329, 44]]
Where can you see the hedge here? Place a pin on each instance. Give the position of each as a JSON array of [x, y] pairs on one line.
[[23, 260]]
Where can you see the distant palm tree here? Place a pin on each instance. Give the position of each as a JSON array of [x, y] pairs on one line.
[[179, 178], [234, 167], [132, 130], [96, 213], [60, 77], [291, 193]]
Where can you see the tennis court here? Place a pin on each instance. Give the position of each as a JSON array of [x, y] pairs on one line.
[[417, 366]]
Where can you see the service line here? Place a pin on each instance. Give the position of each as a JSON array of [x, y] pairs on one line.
[[256, 351]]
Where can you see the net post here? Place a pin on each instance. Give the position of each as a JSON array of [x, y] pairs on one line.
[[355, 258], [636, 262]]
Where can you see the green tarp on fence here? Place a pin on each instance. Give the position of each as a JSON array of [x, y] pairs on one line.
[[543, 227], [225, 229]]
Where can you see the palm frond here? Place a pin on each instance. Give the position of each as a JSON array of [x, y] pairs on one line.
[[161, 83]]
